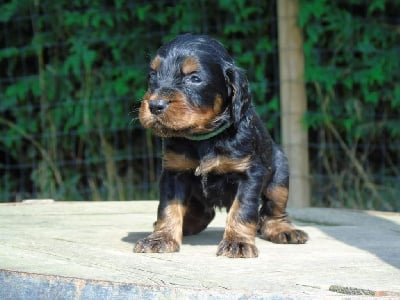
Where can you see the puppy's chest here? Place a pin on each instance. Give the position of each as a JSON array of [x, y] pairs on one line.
[[214, 176], [204, 166]]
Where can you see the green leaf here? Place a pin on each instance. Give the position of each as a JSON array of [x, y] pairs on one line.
[[143, 11], [395, 103], [348, 123], [372, 97], [7, 53], [7, 10], [310, 9], [88, 56], [17, 90], [376, 5]]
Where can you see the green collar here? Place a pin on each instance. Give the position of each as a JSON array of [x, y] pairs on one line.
[[208, 135]]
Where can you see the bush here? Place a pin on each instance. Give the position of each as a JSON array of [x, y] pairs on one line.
[[353, 75]]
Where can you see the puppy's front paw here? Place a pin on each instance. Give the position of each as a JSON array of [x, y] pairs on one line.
[[156, 243], [235, 249]]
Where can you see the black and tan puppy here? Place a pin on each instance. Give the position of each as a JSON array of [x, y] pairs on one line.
[[216, 153]]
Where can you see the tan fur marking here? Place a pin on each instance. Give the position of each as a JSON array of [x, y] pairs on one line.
[[202, 117], [172, 220], [156, 62], [190, 65], [180, 115], [279, 195], [223, 164], [144, 112], [282, 232], [178, 162], [217, 104], [277, 228], [236, 230]]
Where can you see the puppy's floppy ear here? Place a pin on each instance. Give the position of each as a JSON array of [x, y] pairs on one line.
[[238, 92]]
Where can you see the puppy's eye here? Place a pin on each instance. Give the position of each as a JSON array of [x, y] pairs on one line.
[[193, 79]]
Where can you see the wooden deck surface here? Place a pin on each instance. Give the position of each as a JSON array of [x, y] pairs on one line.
[[83, 250]]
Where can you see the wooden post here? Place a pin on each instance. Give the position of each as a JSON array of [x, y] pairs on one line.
[[293, 101]]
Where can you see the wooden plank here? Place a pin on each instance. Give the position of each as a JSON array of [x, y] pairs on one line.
[[83, 250]]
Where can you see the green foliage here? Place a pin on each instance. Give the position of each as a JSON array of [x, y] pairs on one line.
[[353, 82], [72, 71]]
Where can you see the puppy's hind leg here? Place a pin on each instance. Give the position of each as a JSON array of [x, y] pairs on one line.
[[197, 217], [274, 224]]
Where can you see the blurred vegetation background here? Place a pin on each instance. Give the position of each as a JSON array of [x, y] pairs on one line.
[[72, 74]]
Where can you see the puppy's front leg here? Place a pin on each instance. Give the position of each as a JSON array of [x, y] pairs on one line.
[[167, 235], [241, 223]]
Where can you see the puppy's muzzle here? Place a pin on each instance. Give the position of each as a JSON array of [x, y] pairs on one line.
[[158, 106]]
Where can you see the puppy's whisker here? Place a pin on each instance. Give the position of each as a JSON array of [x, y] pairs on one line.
[[134, 113], [133, 121]]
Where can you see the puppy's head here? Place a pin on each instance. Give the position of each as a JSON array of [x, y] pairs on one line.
[[194, 87]]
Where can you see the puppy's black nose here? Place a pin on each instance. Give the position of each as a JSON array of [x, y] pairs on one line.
[[157, 106]]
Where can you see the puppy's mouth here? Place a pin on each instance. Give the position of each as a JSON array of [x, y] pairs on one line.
[[172, 115]]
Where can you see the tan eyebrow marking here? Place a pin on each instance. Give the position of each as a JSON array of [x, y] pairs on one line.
[[156, 62], [190, 65]]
